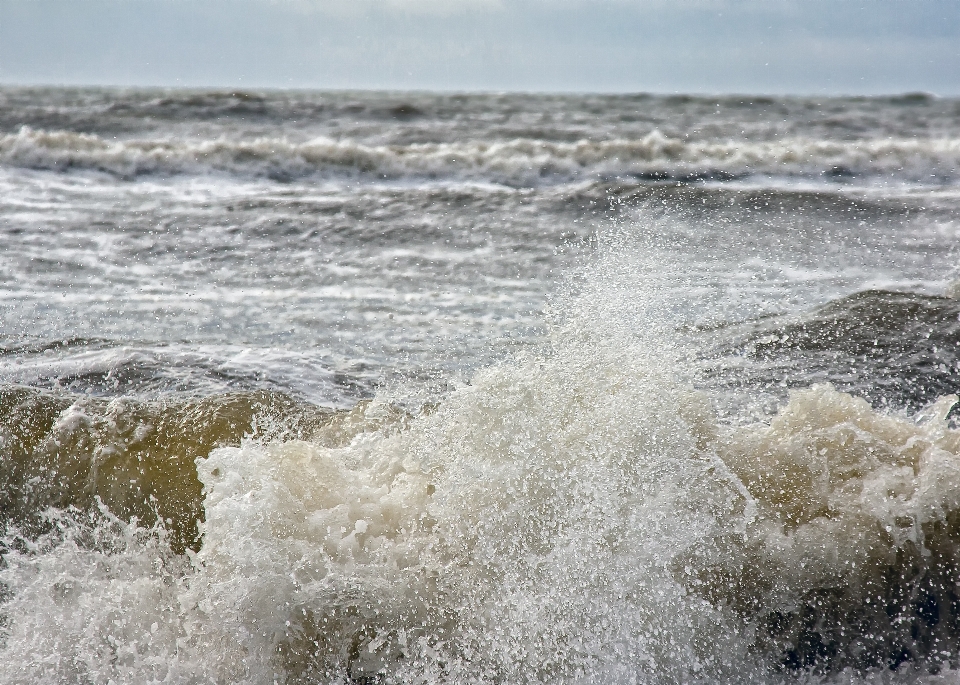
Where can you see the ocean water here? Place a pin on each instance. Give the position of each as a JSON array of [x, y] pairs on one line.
[[413, 388]]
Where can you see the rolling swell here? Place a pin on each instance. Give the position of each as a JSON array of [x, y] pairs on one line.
[[896, 349], [520, 161], [137, 458]]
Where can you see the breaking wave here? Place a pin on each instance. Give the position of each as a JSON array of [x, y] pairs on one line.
[[518, 161], [575, 515]]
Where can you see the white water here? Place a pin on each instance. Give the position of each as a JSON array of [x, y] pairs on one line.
[[574, 515], [517, 161]]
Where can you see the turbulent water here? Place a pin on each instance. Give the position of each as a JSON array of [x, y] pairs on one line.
[[410, 388]]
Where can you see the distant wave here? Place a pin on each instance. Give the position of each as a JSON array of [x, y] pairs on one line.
[[519, 161], [897, 349]]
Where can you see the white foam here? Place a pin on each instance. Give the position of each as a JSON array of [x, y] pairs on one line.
[[94, 602]]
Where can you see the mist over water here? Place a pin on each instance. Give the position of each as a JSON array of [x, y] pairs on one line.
[[404, 388]]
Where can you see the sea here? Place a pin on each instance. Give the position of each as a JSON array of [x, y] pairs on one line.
[[406, 388]]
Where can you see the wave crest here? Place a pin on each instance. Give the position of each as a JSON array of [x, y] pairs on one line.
[[518, 161]]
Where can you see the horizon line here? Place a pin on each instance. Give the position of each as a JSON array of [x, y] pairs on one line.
[[239, 88]]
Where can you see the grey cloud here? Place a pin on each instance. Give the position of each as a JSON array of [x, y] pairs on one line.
[[830, 46]]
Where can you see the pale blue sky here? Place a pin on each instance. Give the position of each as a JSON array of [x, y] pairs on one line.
[[755, 46]]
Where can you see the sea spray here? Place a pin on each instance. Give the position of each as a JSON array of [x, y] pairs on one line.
[[574, 515], [509, 536], [522, 531], [94, 600]]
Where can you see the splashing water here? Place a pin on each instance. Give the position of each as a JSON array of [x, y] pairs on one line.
[[574, 515]]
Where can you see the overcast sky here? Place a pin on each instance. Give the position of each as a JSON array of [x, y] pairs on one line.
[[746, 46]]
